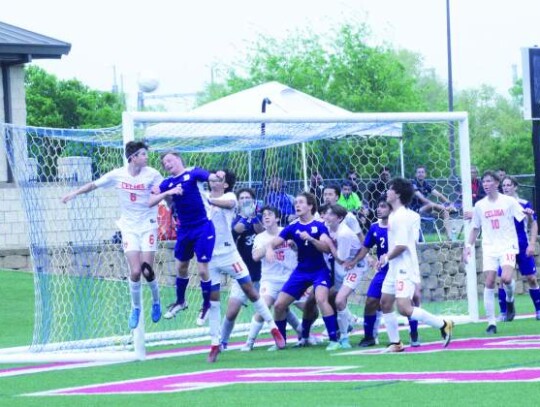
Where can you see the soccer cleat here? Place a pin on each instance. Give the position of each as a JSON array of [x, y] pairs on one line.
[[491, 329], [203, 316], [332, 346], [248, 347], [278, 338], [272, 348], [223, 346], [446, 332], [538, 315], [367, 342], [214, 352], [174, 309], [510, 311], [156, 312], [302, 343], [415, 342], [344, 343], [134, 318], [394, 348], [502, 317]]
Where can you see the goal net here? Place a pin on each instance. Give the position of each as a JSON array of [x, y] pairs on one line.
[[82, 298]]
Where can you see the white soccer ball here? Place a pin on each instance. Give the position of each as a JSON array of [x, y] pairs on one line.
[[148, 84]]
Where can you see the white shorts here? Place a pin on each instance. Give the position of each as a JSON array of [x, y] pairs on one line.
[[238, 294], [271, 288], [352, 279], [230, 264], [398, 284], [492, 263], [139, 241]]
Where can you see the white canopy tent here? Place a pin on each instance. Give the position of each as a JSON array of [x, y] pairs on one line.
[[275, 100]]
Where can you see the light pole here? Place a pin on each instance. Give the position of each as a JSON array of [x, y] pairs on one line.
[[451, 134]]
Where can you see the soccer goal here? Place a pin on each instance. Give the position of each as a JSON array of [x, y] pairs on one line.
[[81, 291]]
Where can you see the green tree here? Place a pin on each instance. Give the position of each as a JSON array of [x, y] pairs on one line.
[[499, 135], [68, 103]]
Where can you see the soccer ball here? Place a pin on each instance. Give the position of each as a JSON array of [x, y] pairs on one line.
[[148, 84]]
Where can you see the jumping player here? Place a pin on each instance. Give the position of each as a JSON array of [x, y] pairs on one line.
[[138, 222]]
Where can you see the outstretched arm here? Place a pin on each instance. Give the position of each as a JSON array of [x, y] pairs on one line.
[[82, 190]]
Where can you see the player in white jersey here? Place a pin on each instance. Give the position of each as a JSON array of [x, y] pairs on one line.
[[227, 261], [404, 273], [273, 274], [346, 245], [331, 194], [495, 214], [137, 223]]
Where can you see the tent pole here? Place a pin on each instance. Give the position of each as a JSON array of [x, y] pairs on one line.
[[304, 167]]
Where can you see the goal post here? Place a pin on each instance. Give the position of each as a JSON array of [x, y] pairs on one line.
[[80, 273]]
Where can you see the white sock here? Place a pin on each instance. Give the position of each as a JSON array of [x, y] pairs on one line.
[[135, 290], [293, 321], [392, 328], [343, 323], [377, 324], [214, 317], [421, 315], [489, 305], [154, 288], [264, 312], [510, 289], [254, 329], [226, 329]]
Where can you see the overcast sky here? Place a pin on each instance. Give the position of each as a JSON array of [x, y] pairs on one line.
[[178, 41]]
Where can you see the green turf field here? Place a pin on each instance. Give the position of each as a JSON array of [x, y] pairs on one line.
[[472, 370]]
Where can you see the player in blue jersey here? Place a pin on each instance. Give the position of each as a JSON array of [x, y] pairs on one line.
[[245, 226], [196, 233], [312, 240], [525, 256], [377, 236]]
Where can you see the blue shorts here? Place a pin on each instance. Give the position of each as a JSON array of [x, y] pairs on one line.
[[299, 282], [197, 240], [375, 287]]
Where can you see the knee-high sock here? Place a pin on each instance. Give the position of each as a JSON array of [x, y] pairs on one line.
[[254, 329], [181, 286], [502, 300], [489, 305], [535, 296], [135, 290], [343, 323], [413, 326], [282, 326], [154, 288], [306, 327], [330, 322], [226, 329], [293, 321], [369, 324], [427, 318], [214, 318], [261, 307], [392, 329], [206, 286], [377, 324], [510, 288]]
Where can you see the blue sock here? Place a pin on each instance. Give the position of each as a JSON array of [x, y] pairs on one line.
[[369, 323], [413, 327], [306, 327], [282, 326], [502, 300], [331, 326], [535, 295], [205, 288], [181, 285]]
